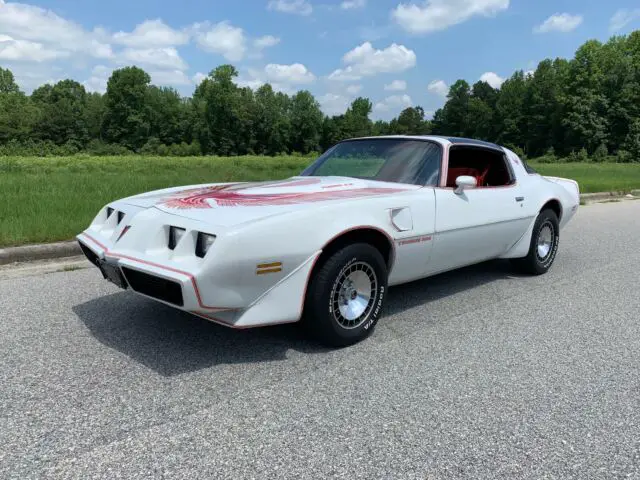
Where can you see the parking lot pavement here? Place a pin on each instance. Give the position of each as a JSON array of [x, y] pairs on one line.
[[478, 373]]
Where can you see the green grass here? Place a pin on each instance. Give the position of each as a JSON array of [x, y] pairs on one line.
[[595, 177], [52, 199]]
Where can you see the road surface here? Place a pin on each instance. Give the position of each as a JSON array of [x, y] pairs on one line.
[[474, 374]]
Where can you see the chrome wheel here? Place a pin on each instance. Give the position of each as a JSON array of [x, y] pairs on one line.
[[545, 240], [354, 295]]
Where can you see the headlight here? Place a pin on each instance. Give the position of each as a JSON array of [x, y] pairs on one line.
[[203, 244], [175, 234]]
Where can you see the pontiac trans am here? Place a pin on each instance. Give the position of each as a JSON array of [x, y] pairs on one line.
[[323, 247]]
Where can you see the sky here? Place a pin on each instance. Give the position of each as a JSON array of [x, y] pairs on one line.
[[397, 53]]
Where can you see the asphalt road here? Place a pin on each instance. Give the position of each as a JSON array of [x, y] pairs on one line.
[[472, 374]]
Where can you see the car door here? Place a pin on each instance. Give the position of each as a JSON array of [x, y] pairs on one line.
[[476, 224]]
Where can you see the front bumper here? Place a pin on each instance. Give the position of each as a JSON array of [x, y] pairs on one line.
[[110, 271], [181, 288], [174, 287]]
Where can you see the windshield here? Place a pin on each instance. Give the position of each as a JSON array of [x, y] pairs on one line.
[[398, 160]]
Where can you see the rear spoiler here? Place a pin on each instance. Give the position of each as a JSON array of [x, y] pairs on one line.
[[569, 185]]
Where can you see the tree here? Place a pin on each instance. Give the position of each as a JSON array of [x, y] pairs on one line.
[[228, 112], [62, 113], [481, 115], [167, 113], [411, 122], [18, 117], [7, 82], [17, 114], [590, 103], [453, 117], [332, 131], [306, 122], [479, 120], [126, 119], [510, 116], [94, 115], [585, 105], [544, 107], [271, 126], [356, 122], [632, 141], [621, 86]]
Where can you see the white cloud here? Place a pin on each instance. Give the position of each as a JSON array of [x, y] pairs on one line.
[[221, 38], [163, 58], [396, 86], [559, 22], [354, 89], [297, 7], [30, 76], [492, 79], [27, 22], [100, 50], [622, 18], [266, 42], [282, 78], [353, 4], [438, 87], [333, 103], [198, 78], [365, 61], [295, 74], [393, 104], [98, 80], [435, 15], [344, 75], [169, 77], [27, 51], [253, 83], [262, 43], [152, 34]]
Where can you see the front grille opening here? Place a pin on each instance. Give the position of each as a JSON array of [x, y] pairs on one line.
[[155, 287], [92, 257]]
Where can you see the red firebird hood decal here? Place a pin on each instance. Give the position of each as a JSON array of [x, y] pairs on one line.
[[233, 196]]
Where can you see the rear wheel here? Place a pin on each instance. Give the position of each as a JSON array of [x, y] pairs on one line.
[[544, 245], [346, 295]]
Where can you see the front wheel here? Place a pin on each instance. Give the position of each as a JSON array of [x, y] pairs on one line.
[[346, 295], [544, 245]]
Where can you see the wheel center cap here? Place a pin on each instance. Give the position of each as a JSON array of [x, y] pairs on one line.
[[353, 294]]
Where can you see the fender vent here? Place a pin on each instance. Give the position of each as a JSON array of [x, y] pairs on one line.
[[155, 287]]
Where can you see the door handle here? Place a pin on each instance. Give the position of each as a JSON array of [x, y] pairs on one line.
[[519, 199]]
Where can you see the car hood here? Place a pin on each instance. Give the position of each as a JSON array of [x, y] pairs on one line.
[[230, 204]]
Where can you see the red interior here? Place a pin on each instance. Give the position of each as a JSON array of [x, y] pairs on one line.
[[456, 172]]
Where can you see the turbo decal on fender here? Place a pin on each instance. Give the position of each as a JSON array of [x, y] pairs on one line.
[[410, 241]]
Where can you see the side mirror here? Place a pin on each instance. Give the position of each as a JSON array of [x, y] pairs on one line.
[[465, 181]]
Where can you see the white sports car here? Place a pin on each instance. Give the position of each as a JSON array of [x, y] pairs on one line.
[[324, 246]]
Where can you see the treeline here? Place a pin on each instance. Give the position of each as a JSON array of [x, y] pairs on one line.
[[587, 106], [220, 118], [584, 108]]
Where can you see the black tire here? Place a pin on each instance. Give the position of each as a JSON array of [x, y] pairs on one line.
[[537, 263], [322, 315]]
